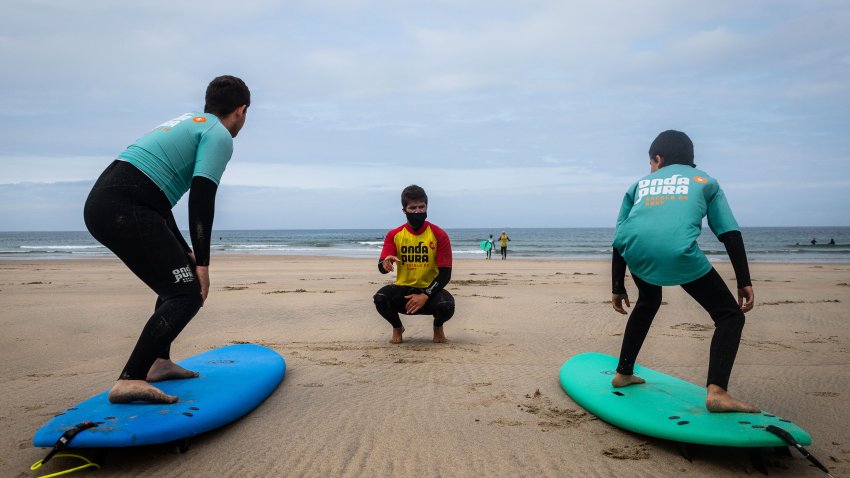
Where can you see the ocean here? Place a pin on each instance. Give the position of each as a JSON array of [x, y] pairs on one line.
[[764, 244]]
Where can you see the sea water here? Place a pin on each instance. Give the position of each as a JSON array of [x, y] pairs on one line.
[[763, 244]]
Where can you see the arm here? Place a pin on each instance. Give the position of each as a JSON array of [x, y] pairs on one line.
[[618, 277], [201, 213], [440, 282], [734, 243], [417, 301]]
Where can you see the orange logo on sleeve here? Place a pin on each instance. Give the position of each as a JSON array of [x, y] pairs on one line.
[[199, 119], [700, 179]]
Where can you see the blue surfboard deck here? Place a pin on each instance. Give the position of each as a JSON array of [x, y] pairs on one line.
[[666, 407], [233, 381]]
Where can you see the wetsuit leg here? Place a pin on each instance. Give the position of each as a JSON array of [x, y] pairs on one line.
[[441, 305], [713, 295], [648, 303], [128, 214], [390, 301], [504, 252]]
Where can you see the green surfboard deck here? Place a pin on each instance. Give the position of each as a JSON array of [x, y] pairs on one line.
[[485, 246], [666, 407]]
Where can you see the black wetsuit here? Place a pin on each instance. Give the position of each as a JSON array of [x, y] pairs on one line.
[[390, 301], [710, 292], [128, 213]]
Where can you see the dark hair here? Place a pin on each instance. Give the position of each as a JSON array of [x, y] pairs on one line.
[[674, 146], [413, 193], [225, 94]]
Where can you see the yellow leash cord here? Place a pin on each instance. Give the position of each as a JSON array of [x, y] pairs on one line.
[[88, 464]]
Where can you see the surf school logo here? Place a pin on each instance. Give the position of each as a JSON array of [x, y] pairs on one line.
[[700, 179], [199, 119], [174, 122], [416, 254], [676, 186], [183, 274]]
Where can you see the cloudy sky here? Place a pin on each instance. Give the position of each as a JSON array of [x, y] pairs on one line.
[[513, 113]]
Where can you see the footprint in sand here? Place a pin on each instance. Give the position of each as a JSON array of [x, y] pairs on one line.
[[691, 327], [551, 416], [501, 422], [311, 385], [626, 452], [824, 394]]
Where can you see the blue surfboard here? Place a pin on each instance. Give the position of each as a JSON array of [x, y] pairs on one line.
[[666, 407], [233, 381]]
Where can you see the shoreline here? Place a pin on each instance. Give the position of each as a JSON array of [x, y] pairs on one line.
[[242, 255], [467, 408]]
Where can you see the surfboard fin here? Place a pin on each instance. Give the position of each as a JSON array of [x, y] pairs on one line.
[[783, 434]]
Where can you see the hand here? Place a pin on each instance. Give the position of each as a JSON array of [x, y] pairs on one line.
[[746, 298], [415, 302], [617, 302], [389, 263], [203, 275]]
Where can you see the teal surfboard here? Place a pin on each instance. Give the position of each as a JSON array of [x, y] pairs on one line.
[[666, 407], [234, 380], [485, 246]]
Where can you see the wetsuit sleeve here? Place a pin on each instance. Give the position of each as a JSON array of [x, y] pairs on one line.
[[443, 278], [172, 224], [734, 243], [201, 213], [618, 273]]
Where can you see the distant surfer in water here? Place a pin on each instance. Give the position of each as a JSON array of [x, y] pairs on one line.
[[656, 236], [423, 254], [129, 211]]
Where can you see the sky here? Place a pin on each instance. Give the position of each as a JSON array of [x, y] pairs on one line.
[[533, 113]]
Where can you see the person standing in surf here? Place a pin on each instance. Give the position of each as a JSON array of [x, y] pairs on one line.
[[491, 245], [656, 236], [503, 239], [423, 254], [129, 211]]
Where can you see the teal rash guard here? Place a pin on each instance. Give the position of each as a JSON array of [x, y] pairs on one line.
[[194, 144], [661, 218]]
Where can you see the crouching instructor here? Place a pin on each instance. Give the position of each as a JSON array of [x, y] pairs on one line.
[[129, 211], [423, 254]]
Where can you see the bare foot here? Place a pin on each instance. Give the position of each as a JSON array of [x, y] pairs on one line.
[[164, 369], [439, 336], [718, 400], [621, 380], [397, 335], [128, 391]]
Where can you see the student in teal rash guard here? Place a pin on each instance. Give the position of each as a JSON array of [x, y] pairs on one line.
[[656, 236], [129, 211]]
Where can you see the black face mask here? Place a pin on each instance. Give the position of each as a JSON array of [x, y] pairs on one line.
[[416, 219]]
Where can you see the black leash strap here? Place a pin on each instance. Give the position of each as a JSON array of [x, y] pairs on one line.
[[784, 435], [66, 438]]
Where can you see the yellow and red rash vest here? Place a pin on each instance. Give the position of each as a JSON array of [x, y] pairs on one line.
[[420, 253]]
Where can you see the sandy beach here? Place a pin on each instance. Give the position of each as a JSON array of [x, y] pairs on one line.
[[488, 403]]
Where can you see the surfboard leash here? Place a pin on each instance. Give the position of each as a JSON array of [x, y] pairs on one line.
[[60, 445], [784, 435]]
